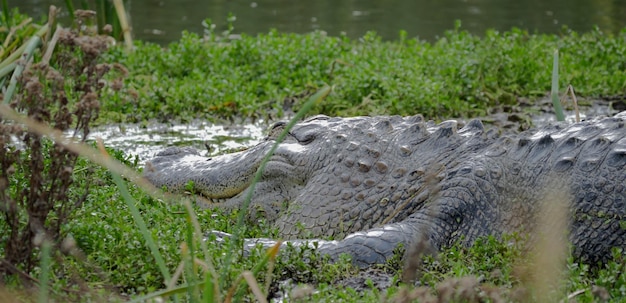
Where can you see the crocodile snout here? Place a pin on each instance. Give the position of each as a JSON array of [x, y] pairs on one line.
[[216, 178]]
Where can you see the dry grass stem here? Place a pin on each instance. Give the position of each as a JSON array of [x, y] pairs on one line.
[[50, 46], [570, 91], [550, 249], [254, 286], [123, 18]]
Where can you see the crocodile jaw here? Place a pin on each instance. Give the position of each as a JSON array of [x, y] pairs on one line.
[[215, 178]]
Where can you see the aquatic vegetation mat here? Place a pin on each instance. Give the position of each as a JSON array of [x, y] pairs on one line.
[[217, 76]]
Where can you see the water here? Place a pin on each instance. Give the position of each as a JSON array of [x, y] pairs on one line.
[[162, 21], [146, 141]]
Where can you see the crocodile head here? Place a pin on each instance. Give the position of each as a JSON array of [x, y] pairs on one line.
[[328, 177], [225, 180]]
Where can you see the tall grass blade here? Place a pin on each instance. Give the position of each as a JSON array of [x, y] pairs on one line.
[[189, 268], [123, 18], [15, 55], [70, 9], [44, 276], [32, 44], [141, 224], [6, 13], [235, 292], [254, 286], [211, 272], [558, 109], [549, 254], [209, 295], [570, 91], [317, 97], [51, 45], [52, 20], [210, 292], [13, 38], [4, 71], [101, 16]]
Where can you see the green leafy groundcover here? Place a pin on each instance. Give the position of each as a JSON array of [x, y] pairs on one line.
[[117, 260], [216, 77], [459, 75]]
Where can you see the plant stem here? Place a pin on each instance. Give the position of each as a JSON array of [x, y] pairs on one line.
[[45, 271], [123, 18], [33, 43], [558, 109], [321, 94]]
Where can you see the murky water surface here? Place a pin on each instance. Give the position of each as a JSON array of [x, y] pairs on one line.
[[162, 21], [145, 141]]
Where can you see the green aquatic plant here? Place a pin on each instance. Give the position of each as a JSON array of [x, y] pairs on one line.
[[270, 75], [554, 93]]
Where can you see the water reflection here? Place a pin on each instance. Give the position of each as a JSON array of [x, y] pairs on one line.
[[145, 141], [162, 21]]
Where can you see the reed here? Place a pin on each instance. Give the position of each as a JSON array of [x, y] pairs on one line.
[[554, 94]]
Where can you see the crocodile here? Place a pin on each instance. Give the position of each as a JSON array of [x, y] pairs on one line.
[[373, 183]]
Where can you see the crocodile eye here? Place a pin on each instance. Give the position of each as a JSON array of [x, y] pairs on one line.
[[305, 138], [276, 129]]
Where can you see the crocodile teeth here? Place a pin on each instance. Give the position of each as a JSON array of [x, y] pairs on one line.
[[217, 200]]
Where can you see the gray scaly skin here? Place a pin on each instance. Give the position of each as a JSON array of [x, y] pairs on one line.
[[376, 182]]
